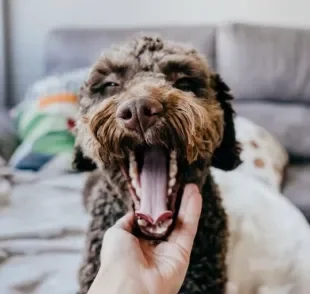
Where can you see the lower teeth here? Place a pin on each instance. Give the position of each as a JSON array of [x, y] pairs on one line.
[[168, 223], [142, 223]]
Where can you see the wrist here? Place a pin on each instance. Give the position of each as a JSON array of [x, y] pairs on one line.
[[116, 281]]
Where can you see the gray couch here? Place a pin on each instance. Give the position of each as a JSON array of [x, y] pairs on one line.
[[267, 68]]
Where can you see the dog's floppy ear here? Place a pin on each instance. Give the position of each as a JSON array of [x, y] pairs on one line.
[[227, 155], [80, 162]]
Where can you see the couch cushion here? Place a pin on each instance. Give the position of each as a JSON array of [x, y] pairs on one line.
[[260, 62], [297, 187], [290, 124], [68, 49]]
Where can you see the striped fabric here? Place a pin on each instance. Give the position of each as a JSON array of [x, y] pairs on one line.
[[45, 119]]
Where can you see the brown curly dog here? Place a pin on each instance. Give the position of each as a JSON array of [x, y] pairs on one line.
[[152, 118]]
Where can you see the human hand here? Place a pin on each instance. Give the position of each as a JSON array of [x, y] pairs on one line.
[[132, 265]]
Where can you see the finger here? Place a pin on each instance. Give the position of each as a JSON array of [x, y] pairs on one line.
[[115, 235], [125, 223], [188, 218]]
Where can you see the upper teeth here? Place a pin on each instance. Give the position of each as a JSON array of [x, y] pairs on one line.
[[132, 158], [133, 167], [173, 154], [136, 186], [133, 172], [173, 170], [172, 182]]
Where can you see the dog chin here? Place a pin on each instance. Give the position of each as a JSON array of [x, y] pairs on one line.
[[154, 180]]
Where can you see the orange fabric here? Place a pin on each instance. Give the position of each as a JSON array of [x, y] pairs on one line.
[[58, 98]]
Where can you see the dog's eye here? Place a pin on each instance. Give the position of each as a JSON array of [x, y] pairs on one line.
[[104, 88], [185, 84], [110, 84]]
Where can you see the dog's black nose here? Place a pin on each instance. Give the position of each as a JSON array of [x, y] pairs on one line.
[[139, 114]]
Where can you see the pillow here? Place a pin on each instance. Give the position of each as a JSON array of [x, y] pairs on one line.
[[262, 155], [288, 123], [44, 120]]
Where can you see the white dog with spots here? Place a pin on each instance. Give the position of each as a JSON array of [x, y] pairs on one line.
[[269, 245]]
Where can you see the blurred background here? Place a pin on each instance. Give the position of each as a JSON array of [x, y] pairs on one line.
[[261, 48], [27, 23]]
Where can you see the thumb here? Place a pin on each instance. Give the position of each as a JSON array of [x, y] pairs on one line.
[[126, 222], [119, 230], [117, 239], [188, 218]]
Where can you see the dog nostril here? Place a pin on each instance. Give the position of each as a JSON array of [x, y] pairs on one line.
[[147, 111], [126, 114], [152, 108]]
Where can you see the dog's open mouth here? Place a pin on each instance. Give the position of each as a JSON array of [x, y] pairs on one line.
[[153, 177]]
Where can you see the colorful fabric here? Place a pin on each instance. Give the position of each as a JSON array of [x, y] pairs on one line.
[[45, 119]]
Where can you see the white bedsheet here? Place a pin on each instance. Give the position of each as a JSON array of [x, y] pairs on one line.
[[42, 234]]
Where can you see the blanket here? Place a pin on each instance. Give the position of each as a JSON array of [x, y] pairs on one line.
[[42, 233]]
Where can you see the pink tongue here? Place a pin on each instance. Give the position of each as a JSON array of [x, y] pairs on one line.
[[153, 180]]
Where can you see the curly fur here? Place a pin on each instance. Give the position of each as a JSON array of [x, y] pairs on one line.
[[198, 124]]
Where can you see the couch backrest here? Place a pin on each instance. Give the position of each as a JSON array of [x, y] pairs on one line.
[[265, 62], [257, 62], [68, 49]]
